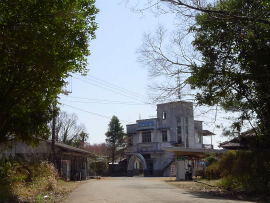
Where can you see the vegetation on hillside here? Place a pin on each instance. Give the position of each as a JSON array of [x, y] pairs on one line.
[[33, 182]]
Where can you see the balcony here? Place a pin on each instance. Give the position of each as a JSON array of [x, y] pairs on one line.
[[148, 147]]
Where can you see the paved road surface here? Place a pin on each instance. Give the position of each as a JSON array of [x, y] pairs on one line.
[[137, 190]]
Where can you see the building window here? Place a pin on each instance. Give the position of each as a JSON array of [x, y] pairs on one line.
[[130, 141], [179, 131], [164, 115], [186, 129], [199, 138], [164, 136], [146, 136]]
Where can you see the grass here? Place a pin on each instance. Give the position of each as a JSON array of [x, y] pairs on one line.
[[62, 190], [211, 187], [202, 186]]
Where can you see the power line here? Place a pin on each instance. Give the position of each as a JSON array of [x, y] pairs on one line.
[[115, 87], [104, 100], [108, 89], [93, 102], [92, 113]]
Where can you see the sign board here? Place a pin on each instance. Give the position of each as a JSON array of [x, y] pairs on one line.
[[146, 123], [173, 170], [180, 158]]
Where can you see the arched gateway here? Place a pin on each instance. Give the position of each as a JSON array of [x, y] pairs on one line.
[[131, 165]]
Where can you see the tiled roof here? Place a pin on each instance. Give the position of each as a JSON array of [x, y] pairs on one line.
[[235, 142]]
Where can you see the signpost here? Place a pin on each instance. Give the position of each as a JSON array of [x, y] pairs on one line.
[[173, 170]]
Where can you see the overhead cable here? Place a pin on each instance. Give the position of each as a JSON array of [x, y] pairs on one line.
[[92, 113], [110, 85], [109, 89]]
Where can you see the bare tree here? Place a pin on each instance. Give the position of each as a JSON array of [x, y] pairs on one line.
[[172, 58], [68, 130]]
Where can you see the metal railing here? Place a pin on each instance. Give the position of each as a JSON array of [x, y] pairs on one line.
[[167, 163], [207, 146]]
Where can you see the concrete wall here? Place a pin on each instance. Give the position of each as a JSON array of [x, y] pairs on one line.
[[174, 110], [24, 151]]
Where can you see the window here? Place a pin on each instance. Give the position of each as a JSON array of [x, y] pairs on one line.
[[146, 136], [186, 129], [164, 115], [164, 136], [179, 131], [130, 141], [199, 138]]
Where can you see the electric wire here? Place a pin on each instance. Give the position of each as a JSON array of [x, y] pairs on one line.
[[102, 102], [92, 113], [109, 90], [69, 96], [110, 85]]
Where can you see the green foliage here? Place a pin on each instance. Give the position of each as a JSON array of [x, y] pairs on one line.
[[99, 164], [235, 68], [211, 159], [115, 137], [245, 171], [212, 171], [40, 41], [21, 182]]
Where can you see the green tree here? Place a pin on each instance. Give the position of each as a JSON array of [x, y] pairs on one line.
[[40, 42], [99, 163], [115, 138], [235, 67], [228, 65]]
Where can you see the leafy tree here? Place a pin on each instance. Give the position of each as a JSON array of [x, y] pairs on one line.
[[235, 68], [228, 65], [40, 41], [99, 163], [80, 141], [115, 137], [211, 159]]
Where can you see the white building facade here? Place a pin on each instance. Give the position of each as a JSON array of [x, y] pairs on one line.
[[174, 127]]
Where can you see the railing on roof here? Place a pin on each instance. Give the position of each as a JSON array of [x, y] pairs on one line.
[[208, 146]]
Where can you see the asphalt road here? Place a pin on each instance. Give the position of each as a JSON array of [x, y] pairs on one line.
[[137, 190]]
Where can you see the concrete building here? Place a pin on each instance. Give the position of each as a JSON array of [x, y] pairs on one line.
[[174, 126]]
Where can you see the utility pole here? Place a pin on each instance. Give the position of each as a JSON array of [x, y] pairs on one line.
[[65, 92], [53, 131]]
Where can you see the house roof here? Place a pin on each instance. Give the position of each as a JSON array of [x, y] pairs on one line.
[[235, 142], [205, 132], [70, 148], [201, 153]]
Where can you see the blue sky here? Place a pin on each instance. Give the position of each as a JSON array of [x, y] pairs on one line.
[[114, 73]]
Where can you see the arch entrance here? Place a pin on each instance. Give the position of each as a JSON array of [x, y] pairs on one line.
[[131, 165]]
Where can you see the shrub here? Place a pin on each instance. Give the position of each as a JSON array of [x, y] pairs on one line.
[[21, 182], [211, 159], [245, 171], [212, 172]]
